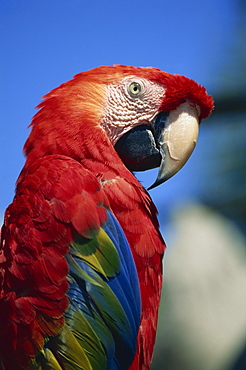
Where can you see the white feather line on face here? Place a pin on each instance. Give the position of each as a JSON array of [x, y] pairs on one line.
[[123, 111]]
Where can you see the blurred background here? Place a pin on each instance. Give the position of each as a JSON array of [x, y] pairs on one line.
[[202, 321]]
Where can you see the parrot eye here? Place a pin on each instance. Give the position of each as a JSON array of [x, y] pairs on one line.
[[135, 89]]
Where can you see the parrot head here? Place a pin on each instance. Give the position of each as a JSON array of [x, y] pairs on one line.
[[150, 117]]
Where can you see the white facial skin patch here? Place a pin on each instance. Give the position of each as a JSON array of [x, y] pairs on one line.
[[130, 102]]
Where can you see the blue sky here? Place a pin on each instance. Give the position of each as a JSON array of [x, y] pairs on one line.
[[45, 42]]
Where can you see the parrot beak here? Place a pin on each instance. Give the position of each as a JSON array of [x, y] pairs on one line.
[[176, 133], [166, 143]]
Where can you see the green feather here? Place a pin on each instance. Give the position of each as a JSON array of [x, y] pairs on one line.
[[79, 272], [48, 361], [87, 338], [72, 354], [99, 253]]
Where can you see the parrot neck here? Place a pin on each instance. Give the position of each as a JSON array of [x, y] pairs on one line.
[[89, 146], [68, 123]]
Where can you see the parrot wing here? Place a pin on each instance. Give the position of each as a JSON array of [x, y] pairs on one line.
[[69, 287]]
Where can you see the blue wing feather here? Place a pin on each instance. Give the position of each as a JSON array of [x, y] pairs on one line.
[[110, 305], [126, 286]]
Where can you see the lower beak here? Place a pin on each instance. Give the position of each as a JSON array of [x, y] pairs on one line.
[[167, 143]]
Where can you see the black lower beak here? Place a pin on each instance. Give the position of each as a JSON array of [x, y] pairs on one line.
[[139, 149], [159, 123]]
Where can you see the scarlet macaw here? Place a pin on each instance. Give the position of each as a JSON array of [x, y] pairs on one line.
[[81, 251]]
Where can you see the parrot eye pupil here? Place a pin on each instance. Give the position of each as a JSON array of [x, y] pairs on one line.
[[135, 89]]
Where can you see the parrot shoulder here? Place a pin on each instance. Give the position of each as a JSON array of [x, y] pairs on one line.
[[64, 256]]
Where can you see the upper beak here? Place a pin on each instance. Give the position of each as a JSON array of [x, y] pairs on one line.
[[168, 142], [177, 135]]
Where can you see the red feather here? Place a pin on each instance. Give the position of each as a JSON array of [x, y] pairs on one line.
[[71, 176], [40, 223]]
